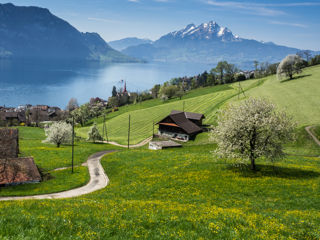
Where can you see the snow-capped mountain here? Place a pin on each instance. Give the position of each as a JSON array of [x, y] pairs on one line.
[[205, 31], [208, 43]]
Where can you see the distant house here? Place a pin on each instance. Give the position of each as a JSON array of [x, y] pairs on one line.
[[181, 125], [13, 117]]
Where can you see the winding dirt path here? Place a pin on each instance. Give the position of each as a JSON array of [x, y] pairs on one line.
[[144, 142], [308, 129], [98, 180]]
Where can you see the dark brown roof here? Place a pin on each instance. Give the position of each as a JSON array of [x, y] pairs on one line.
[[18, 170], [184, 123], [189, 115]]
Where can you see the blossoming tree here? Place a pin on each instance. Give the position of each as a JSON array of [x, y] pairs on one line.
[[251, 130]]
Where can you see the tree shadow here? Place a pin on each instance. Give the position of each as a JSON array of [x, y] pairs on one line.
[[296, 78], [274, 171]]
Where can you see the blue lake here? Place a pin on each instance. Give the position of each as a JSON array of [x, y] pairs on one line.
[[54, 82]]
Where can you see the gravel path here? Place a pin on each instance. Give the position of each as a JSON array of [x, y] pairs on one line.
[[308, 129], [98, 180]]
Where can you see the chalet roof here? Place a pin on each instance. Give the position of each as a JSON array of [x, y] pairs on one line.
[[185, 124], [18, 170], [189, 115]]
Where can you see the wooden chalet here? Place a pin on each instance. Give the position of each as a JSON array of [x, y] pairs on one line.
[[181, 125]]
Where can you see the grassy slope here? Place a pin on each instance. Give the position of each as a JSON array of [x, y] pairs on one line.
[[300, 97], [205, 100]]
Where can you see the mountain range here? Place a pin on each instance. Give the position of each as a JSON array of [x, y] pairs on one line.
[[208, 43], [128, 42], [33, 32]]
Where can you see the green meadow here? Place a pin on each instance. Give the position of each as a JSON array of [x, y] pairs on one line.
[[181, 194], [48, 158], [185, 193]]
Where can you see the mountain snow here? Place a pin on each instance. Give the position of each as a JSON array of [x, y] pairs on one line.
[[207, 31]]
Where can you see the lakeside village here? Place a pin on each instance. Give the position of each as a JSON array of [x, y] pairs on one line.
[[29, 115]]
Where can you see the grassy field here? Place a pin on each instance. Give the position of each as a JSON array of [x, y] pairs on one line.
[[181, 194], [48, 157], [205, 100], [299, 97]]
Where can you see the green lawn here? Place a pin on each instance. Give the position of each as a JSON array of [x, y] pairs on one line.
[[299, 97], [59, 181], [48, 157], [181, 194]]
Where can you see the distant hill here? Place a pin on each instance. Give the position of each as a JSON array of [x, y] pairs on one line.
[[128, 42], [208, 43], [33, 32]]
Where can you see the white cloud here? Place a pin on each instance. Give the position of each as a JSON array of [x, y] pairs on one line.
[[134, 1], [289, 24], [250, 8]]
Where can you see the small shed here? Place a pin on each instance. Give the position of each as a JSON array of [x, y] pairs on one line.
[[163, 144]]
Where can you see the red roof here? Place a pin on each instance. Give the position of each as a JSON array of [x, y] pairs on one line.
[[18, 170]]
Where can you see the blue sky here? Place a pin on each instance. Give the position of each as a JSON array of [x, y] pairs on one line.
[[290, 23]]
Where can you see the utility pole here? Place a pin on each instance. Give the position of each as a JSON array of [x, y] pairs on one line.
[[103, 126], [152, 129], [129, 133], [72, 141], [240, 89]]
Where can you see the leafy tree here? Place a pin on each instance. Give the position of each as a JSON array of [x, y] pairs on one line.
[[230, 71], [256, 64], [72, 104], [251, 130], [114, 91], [169, 91], [94, 134], [220, 70], [290, 65], [179, 94], [59, 133], [155, 90], [82, 114]]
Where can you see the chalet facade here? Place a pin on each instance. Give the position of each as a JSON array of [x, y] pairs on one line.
[[181, 126]]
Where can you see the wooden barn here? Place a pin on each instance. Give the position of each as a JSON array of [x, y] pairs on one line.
[[181, 126]]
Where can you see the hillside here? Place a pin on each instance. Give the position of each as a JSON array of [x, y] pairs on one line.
[[209, 43], [128, 42], [33, 32], [299, 97]]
